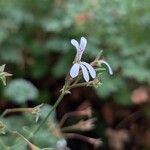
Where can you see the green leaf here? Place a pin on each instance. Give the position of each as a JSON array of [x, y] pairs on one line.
[[20, 90]]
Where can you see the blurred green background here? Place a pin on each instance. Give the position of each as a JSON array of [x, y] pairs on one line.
[[35, 44]]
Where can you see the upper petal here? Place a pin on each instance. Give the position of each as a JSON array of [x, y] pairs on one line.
[[75, 44], [83, 43], [90, 69], [74, 71], [85, 73], [107, 64]]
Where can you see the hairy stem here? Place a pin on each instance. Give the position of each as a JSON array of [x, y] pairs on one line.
[[80, 84], [13, 110]]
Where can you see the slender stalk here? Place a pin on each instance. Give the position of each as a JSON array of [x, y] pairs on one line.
[[13, 110], [53, 108], [95, 142], [32, 146]]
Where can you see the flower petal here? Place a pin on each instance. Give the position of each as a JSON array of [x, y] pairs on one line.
[[90, 69], [107, 64], [85, 73], [74, 71], [83, 43], [75, 44]]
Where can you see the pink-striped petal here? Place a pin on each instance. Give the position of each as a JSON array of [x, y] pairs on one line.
[[90, 69], [85, 73], [74, 71]]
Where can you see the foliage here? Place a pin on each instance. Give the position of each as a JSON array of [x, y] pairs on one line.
[[33, 32], [34, 43], [20, 90], [25, 124]]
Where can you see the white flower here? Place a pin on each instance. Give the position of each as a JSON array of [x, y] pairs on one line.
[[85, 67], [107, 64]]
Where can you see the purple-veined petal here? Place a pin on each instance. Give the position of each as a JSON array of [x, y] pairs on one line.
[[90, 69], [107, 64], [83, 43], [74, 71], [75, 44], [85, 73]]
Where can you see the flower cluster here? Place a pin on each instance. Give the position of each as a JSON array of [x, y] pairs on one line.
[[86, 68]]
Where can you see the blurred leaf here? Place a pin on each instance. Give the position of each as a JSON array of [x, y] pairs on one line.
[[20, 90], [61, 68], [13, 57], [109, 85], [38, 69], [123, 97], [57, 45]]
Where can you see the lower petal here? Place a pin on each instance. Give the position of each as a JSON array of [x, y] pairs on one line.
[[90, 69], [74, 71], [85, 73]]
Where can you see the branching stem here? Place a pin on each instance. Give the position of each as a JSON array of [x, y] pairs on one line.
[[53, 108]]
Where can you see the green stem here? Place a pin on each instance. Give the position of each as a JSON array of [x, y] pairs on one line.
[[53, 108]]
